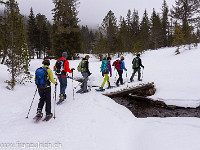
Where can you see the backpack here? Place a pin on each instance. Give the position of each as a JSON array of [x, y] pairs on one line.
[[59, 67], [104, 66], [135, 63], [81, 67], [117, 64], [41, 78]]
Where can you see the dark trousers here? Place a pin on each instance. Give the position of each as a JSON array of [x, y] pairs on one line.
[[63, 84], [120, 79], [45, 97]]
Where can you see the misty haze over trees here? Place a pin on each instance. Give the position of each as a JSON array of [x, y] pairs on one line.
[[22, 38]]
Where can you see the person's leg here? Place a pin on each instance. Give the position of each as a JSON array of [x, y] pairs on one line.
[[108, 81], [120, 74], [133, 74], [139, 74], [42, 100], [85, 76], [48, 100], [64, 84], [118, 71], [105, 79]]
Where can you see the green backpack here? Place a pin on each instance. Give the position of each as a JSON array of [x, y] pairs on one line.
[[135, 63], [81, 67]]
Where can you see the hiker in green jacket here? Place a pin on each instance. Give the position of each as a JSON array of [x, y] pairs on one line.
[[137, 63]]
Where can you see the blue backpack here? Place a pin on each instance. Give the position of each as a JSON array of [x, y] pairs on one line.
[[41, 78], [104, 66]]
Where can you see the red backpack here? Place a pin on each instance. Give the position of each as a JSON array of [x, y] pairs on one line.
[[117, 64]]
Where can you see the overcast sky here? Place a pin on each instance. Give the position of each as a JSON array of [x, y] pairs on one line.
[[92, 12]]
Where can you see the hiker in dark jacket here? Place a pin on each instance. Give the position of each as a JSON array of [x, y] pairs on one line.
[[120, 72], [105, 71], [45, 93], [137, 63], [85, 73]]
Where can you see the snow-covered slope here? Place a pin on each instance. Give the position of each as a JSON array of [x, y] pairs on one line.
[[94, 122]]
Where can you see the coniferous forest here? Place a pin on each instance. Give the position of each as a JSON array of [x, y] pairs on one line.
[[34, 36]]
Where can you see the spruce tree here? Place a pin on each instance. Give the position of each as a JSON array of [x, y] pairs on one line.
[[122, 37], [145, 31], [178, 37], [109, 27], [66, 32], [156, 31], [165, 23], [32, 32], [18, 54], [135, 26], [43, 35], [187, 12], [129, 35]]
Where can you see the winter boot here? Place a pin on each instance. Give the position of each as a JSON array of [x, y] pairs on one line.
[[62, 97], [117, 84], [65, 96], [101, 88], [48, 117], [39, 113], [131, 79]]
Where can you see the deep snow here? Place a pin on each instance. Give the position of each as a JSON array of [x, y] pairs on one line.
[[94, 122]]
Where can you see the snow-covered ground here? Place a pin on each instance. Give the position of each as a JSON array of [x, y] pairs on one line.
[[95, 122]]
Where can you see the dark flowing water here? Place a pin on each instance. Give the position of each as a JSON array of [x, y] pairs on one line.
[[143, 109]]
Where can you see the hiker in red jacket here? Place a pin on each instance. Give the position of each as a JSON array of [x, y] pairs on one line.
[[62, 67]]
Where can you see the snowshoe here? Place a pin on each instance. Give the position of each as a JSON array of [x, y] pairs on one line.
[[48, 117], [38, 116], [60, 101], [100, 89]]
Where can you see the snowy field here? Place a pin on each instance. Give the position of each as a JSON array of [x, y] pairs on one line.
[[94, 122]]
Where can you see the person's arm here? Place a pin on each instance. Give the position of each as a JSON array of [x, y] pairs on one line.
[[110, 69], [87, 67], [123, 65], [66, 67], [140, 63], [50, 74]]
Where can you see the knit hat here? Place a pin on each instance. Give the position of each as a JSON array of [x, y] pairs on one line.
[[138, 55], [64, 54]]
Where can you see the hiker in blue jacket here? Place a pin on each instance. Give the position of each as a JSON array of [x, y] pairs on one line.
[[120, 71]]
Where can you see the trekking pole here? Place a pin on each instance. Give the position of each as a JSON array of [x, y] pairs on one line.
[[116, 77], [73, 81], [142, 72], [55, 101], [31, 103], [127, 79], [81, 82]]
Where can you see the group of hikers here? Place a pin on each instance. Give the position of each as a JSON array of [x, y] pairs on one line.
[[44, 77]]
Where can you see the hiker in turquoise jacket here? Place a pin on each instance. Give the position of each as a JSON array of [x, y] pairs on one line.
[[106, 69], [137, 63]]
